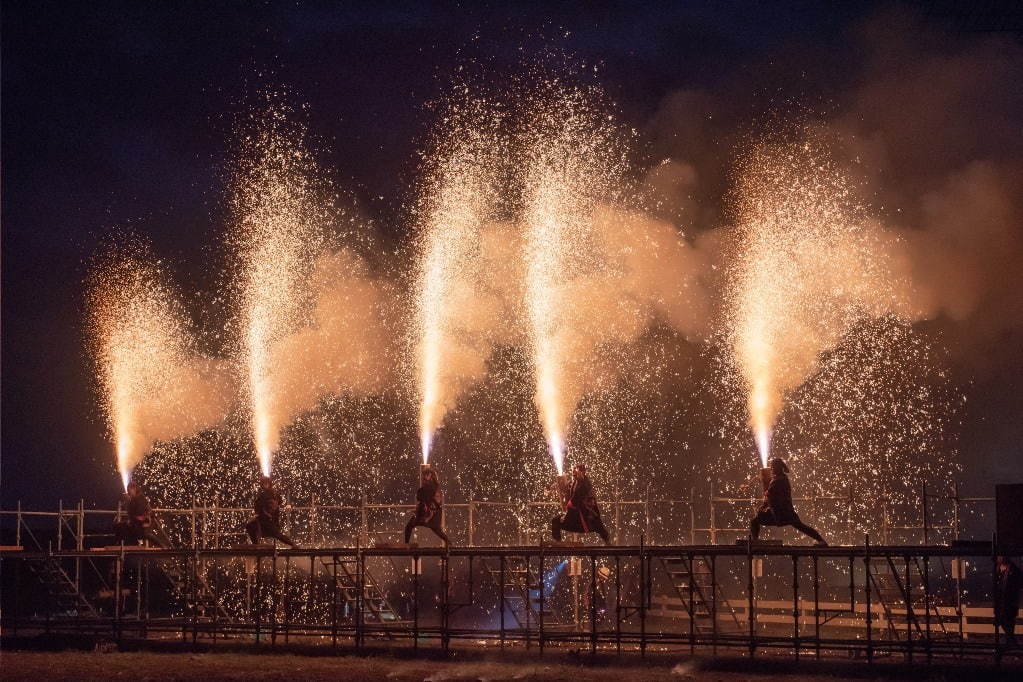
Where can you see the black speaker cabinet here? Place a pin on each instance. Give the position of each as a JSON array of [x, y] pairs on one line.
[[1009, 514]]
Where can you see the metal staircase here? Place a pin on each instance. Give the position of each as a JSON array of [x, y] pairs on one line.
[[693, 581], [906, 611], [63, 589], [201, 598], [520, 591], [376, 607]]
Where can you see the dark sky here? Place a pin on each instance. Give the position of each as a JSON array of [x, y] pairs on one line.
[[120, 115]]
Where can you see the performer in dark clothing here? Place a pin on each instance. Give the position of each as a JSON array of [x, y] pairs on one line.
[[777, 509], [1008, 581], [138, 525], [582, 515], [267, 522], [429, 511]]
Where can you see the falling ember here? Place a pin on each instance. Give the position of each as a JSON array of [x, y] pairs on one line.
[[809, 270], [456, 198], [154, 387], [275, 236]]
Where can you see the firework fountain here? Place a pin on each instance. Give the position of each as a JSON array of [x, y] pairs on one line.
[[154, 385], [572, 163], [276, 236], [810, 269], [456, 200]]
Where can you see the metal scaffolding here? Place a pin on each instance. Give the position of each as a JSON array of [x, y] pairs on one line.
[[672, 584]]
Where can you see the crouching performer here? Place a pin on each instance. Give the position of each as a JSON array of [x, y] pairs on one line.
[[139, 525], [777, 509], [582, 515], [267, 522], [429, 512]]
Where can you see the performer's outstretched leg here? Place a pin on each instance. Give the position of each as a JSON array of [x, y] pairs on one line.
[[284, 538], [408, 529], [601, 530], [807, 530], [254, 531], [754, 527], [556, 528], [439, 533]]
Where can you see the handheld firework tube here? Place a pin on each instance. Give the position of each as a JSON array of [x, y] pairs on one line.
[[563, 488]]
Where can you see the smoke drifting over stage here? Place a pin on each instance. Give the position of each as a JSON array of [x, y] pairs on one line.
[[550, 299]]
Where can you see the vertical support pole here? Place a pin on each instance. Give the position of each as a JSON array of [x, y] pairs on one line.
[[364, 521], [195, 593], [713, 526], [417, 567], [795, 603], [817, 606], [910, 616], [751, 600], [927, 603], [60, 528], [593, 604], [692, 516], [848, 516], [360, 604], [692, 608], [618, 604], [287, 599], [313, 520], [118, 568], [714, 600], [80, 539], [866, 586], [445, 606], [646, 512], [194, 545], [618, 514], [643, 586], [540, 580], [994, 591], [923, 502], [955, 513], [333, 603], [274, 597], [471, 522], [17, 530], [502, 599], [258, 599]]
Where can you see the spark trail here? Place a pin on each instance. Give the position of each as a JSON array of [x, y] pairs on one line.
[[276, 235], [154, 385], [810, 268], [572, 163], [457, 197]]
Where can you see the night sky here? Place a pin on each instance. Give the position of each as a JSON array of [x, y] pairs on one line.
[[120, 115]]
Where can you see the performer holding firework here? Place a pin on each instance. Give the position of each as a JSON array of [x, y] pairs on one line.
[[429, 512], [777, 509], [582, 515]]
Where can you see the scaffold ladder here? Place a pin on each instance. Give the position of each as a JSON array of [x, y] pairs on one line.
[[376, 607], [889, 585], [520, 591], [702, 598], [62, 588]]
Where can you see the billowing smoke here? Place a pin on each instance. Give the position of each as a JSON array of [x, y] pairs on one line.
[[155, 386], [344, 349]]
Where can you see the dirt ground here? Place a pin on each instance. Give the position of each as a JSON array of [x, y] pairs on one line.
[[79, 665]]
